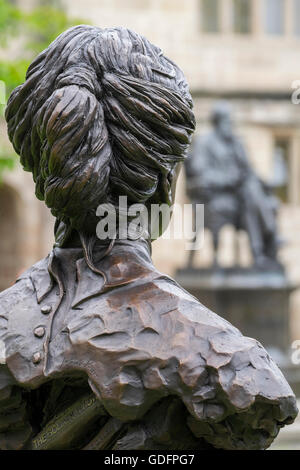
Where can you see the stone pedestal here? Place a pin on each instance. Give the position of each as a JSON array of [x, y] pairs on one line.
[[256, 302]]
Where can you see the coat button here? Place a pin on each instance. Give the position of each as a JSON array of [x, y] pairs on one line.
[[39, 331], [36, 358], [46, 309]]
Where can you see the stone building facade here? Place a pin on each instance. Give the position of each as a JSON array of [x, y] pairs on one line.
[[244, 51]]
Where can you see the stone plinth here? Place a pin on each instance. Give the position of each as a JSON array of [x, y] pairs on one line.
[[256, 302]]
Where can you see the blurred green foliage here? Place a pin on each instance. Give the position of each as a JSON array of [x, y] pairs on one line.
[[30, 32], [9, 19]]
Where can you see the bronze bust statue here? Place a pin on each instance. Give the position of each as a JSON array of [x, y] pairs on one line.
[[99, 350]]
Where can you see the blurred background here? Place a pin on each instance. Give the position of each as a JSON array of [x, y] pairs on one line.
[[244, 51]]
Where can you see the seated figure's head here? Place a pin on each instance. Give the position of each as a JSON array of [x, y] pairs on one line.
[[221, 119], [102, 113]]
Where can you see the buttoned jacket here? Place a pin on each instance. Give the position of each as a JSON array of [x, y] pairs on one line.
[[136, 336]]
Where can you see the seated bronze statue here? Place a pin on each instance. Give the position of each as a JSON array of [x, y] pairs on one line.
[[99, 350], [220, 176]]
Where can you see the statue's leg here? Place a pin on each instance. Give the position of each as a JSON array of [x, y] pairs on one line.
[[255, 235], [237, 248], [215, 235], [271, 246], [191, 256]]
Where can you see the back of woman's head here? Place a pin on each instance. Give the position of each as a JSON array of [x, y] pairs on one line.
[[102, 113]]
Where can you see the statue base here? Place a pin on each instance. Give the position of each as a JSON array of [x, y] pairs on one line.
[[255, 301]]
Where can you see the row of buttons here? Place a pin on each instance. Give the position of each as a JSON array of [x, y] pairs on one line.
[[39, 332]]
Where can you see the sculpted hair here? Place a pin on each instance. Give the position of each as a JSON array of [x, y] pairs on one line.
[[102, 113]]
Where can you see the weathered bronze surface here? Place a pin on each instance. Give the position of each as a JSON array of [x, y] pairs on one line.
[[99, 350], [219, 175]]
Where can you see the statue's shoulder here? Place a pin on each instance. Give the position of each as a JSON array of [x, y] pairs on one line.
[[156, 302], [23, 288], [40, 266], [166, 343], [147, 315], [14, 293], [186, 307]]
